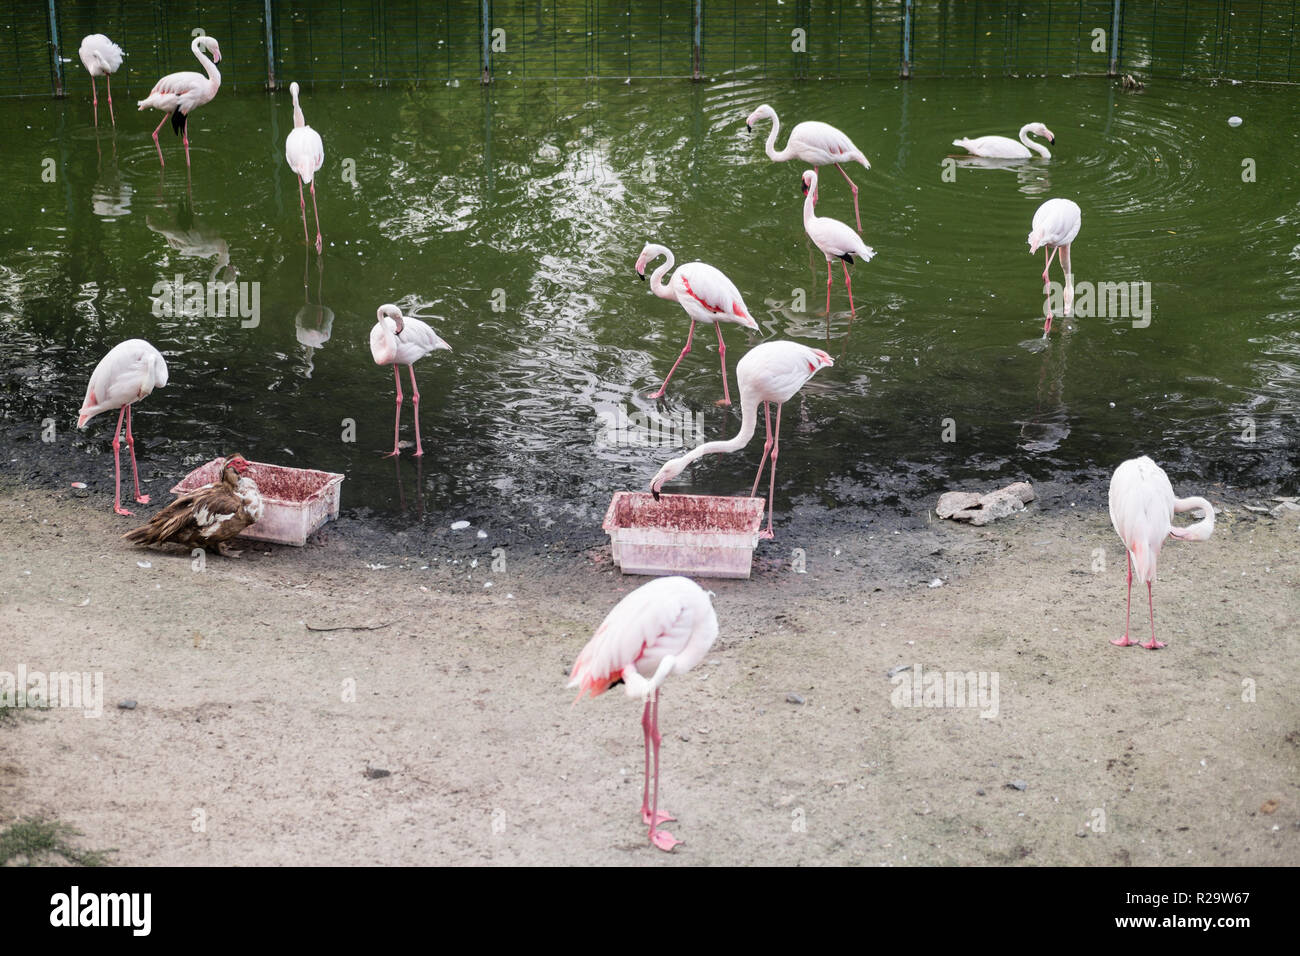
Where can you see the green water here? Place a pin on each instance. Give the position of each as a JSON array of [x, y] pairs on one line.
[[511, 219]]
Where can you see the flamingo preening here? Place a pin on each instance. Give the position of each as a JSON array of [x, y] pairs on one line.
[[769, 372], [396, 340], [1142, 508], [662, 628], [707, 296], [305, 152], [128, 373], [834, 239], [1056, 223], [101, 57], [179, 94], [1003, 147]]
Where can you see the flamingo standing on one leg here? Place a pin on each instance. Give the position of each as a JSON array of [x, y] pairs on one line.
[[769, 372], [305, 152], [396, 340], [662, 628], [707, 296], [1003, 147], [1142, 507], [1056, 223], [834, 239], [101, 57], [179, 94], [817, 144], [129, 372]]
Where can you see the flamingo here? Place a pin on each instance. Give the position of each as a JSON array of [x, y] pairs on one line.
[[396, 340], [1056, 223], [769, 372], [129, 372], [305, 152], [833, 238], [662, 628], [179, 94], [101, 57], [1142, 508], [1003, 147], [707, 296], [817, 144]]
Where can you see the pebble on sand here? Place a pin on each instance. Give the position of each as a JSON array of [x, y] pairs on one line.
[[980, 509], [126, 705], [1018, 785], [459, 525], [793, 699]]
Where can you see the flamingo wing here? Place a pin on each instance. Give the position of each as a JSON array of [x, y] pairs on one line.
[[829, 140], [416, 341], [304, 152], [1056, 223], [836, 239], [709, 288]]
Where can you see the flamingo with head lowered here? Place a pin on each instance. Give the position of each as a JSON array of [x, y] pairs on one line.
[[396, 340], [835, 240], [179, 94], [817, 144], [1003, 147], [101, 57], [769, 372], [707, 296], [1056, 224]]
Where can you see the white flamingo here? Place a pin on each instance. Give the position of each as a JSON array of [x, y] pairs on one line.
[[1142, 508], [1056, 223], [179, 94], [707, 296], [305, 152], [835, 239], [1003, 147], [101, 57], [662, 628], [129, 372], [814, 143], [396, 340]]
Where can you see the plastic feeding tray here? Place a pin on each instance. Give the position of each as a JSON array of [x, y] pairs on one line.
[[295, 501], [683, 534]]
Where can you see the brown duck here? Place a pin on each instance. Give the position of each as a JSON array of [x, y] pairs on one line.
[[207, 517]]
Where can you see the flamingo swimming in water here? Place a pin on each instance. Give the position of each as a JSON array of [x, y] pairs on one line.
[[771, 372], [1003, 147], [1056, 223], [707, 296], [662, 628], [129, 372], [179, 94], [817, 144], [305, 152], [101, 57], [396, 340], [1142, 508], [835, 239]]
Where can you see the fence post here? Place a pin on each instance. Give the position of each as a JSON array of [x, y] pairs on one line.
[[56, 55], [1116, 17], [485, 14], [697, 30], [270, 48], [905, 67]]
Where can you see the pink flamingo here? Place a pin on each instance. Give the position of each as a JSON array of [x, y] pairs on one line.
[[305, 152], [179, 94], [833, 238], [662, 628], [1056, 223], [769, 372], [396, 340], [129, 372], [101, 57], [817, 144], [1142, 508], [707, 296]]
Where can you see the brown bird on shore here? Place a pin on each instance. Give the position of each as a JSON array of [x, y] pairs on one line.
[[207, 517]]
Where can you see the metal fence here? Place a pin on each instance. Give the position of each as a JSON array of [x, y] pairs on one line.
[[379, 41]]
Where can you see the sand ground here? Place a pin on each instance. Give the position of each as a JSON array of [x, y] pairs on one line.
[[252, 734]]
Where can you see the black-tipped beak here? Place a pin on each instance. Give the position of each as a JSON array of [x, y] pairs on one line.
[[655, 493], [748, 128], [641, 276], [1052, 140], [803, 186]]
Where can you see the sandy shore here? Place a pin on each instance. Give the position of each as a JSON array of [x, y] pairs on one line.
[[252, 734]]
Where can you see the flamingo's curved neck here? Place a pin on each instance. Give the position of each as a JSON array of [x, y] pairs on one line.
[[748, 422], [1031, 144], [809, 201], [1200, 531], [784, 154], [214, 75], [657, 281], [298, 121]]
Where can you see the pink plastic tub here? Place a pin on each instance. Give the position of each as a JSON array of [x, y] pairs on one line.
[[295, 501], [699, 535]]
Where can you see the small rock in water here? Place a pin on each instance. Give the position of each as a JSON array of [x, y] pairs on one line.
[[1018, 785], [482, 534], [126, 705], [1234, 120], [793, 699], [459, 525], [895, 671]]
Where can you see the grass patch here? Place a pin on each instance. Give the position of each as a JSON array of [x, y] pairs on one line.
[[34, 841]]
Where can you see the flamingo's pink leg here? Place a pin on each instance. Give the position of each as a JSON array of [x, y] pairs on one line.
[[771, 487], [117, 465], [1069, 280], [854, 187], [1124, 641], [415, 404], [94, 96], [767, 448], [185, 138], [647, 729], [135, 471], [664, 387], [108, 80], [319, 242], [1154, 645], [397, 420], [166, 116], [302, 208], [722, 354], [828, 290], [849, 285], [660, 838]]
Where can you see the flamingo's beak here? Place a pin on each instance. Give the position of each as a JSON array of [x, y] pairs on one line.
[[1051, 139], [803, 186], [748, 128], [640, 275], [655, 493]]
